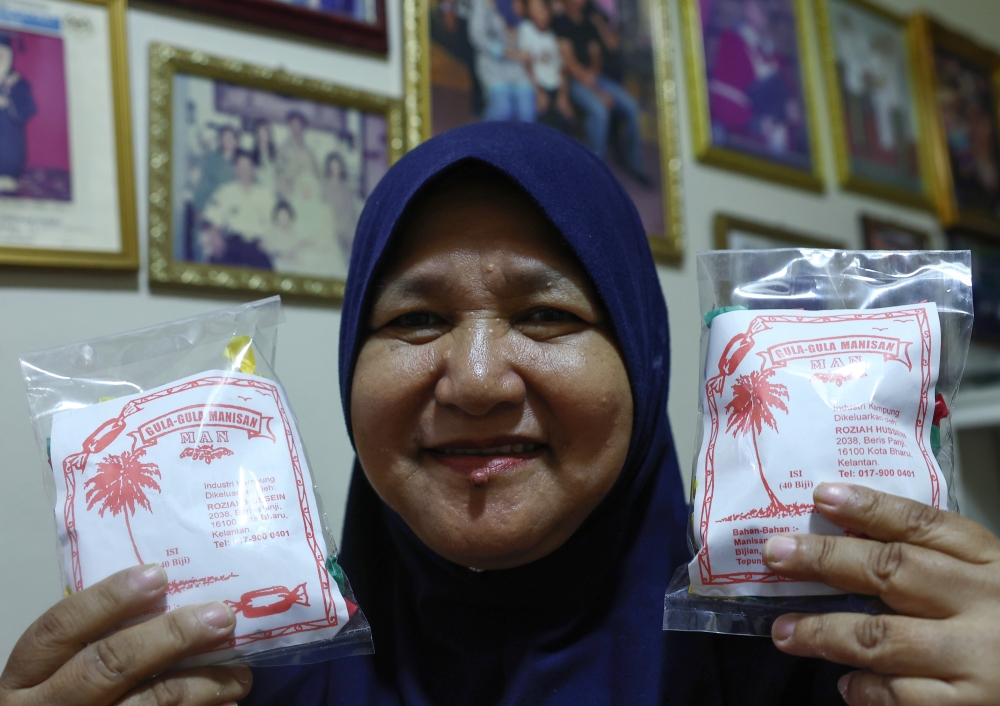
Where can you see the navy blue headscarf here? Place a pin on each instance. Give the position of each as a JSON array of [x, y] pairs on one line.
[[582, 625]]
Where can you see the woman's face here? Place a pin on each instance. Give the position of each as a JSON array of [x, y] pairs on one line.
[[490, 405]]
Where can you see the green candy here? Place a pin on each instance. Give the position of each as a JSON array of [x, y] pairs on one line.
[[336, 572]]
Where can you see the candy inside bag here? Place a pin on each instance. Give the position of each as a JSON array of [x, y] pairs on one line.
[[818, 366], [177, 445]]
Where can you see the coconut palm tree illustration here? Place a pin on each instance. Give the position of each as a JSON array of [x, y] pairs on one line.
[[119, 486], [750, 409]]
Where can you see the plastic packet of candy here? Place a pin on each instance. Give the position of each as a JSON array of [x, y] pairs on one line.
[[177, 445], [818, 366]]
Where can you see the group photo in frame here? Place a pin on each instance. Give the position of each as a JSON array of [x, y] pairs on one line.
[[66, 179], [751, 93], [737, 233], [597, 70], [875, 117], [258, 177], [354, 23], [957, 79]]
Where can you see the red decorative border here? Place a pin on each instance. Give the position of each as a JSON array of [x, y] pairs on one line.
[[715, 388], [78, 462]]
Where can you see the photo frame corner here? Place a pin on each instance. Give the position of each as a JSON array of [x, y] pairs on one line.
[[724, 223]]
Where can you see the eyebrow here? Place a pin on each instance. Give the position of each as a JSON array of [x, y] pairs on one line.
[[524, 280]]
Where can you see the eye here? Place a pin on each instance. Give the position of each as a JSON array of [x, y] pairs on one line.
[[549, 315], [417, 319]]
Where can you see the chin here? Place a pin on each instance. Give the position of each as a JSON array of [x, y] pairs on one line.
[[488, 543]]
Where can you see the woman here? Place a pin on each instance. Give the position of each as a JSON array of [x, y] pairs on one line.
[[517, 510], [17, 106], [264, 153], [340, 195]]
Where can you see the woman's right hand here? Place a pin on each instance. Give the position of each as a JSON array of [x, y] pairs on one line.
[[68, 658]]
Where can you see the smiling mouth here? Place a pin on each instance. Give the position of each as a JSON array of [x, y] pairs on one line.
[[480, 464], [492, 451]]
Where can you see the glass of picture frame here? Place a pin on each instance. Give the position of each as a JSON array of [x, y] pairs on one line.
[[736, 233], [875, 118], [445, 85], [749, 72], [66, 181], [881, 234], [257, 176], [957, 81], [355, 23]]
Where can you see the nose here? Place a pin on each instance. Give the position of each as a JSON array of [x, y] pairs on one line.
[[478, 376]]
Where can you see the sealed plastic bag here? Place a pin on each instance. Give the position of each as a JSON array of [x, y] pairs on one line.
[[176, 445], [819, 366]]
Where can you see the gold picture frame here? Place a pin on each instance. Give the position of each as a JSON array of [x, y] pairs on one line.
[[166, 62], [724, 226], [707, 151], [667, 248], [62, 255], [849, 177], [928, 35]]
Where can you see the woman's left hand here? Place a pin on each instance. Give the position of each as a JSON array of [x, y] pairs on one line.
[[939, 571]]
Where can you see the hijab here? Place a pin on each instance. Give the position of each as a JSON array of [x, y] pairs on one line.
[[583, 624]]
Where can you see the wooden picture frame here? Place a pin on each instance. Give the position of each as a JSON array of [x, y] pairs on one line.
[[876, 120], [69, 199], [667, 246], [880, 234], [272, 222], [954, 189], [736, 233], [767, 139], [369, 35]]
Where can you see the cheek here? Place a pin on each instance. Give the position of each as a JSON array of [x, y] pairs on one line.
[[584, 392], [392, 384]]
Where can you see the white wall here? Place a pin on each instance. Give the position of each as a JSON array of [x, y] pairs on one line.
[[39, 310]]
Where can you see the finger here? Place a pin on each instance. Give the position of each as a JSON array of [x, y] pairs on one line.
[[909, 579], [890, 518], [109, 668], [202, 686], [885, 644], [869, 689], [78, 619]]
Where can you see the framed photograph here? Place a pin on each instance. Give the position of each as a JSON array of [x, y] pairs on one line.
[[869, 86], [355, 23], [257, 177], [66, 184], [734, 233], [985, 280], [752, 107], [886, 235], [597, 70], [957, 81]]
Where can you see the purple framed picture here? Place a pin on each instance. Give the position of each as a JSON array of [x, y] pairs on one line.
[[356, 23]]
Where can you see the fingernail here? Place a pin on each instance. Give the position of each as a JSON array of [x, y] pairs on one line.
[[843, 683], [215, 615], [832, 494], [148, 578], [242, 674], [783, 628], [779, 548]]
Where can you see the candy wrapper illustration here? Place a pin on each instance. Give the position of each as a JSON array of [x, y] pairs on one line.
[[819, 366], [205, 475]]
